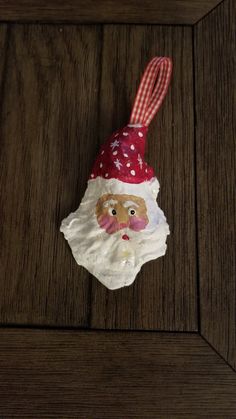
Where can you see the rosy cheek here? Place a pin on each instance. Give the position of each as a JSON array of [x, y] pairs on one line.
[[138, 223], [108, 223]]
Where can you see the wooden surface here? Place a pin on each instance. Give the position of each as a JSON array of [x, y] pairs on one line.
[[48, 126], [62, 95], [102, 375], [106, 11], [63, 89], [215, 138]]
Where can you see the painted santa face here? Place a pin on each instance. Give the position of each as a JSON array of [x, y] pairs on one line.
[[116, 212], [112, 234]]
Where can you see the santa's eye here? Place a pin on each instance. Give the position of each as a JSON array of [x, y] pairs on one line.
[[112, 211], [131, 211]]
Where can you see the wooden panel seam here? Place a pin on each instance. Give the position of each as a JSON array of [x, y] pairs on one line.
[[124, 11]]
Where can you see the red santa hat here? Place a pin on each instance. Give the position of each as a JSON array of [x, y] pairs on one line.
[[122, 156]]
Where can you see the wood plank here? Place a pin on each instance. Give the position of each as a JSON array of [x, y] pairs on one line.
[[215, 111], [48, 131], [112, 375], [3, 50], [164, 294], [106, 11]]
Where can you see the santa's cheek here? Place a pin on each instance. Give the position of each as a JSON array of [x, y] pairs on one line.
[[137, 223], [108, 223]]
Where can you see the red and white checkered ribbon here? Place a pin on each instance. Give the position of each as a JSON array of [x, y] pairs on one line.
[[152, 90]]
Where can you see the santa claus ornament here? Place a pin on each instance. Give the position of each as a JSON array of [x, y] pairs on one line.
[[118, 225]]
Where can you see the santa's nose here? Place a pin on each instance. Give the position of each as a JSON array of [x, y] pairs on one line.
[[123, 225], [122, 218]]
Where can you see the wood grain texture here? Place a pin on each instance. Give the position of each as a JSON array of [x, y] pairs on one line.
[[164, 294], [112, 375], [51, 122], [3, 47], [216, 112], [48, 127], [106, 11]]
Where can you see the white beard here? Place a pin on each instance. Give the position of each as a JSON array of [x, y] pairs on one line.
[[113, 261]]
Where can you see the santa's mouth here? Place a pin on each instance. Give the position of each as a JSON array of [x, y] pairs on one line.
[[125, 237]]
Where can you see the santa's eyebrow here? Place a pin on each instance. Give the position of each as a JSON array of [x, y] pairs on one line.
[[110, 202], [130, 204]]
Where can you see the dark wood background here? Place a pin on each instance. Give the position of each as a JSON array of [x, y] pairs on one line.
[[216, 171], [107, 11], [64, 374], [63, 94], [64, 88]]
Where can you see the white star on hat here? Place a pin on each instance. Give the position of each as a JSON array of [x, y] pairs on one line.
[[114, 144], [118, 164]]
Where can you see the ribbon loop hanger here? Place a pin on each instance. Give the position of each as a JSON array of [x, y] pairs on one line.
[[152, 90]]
